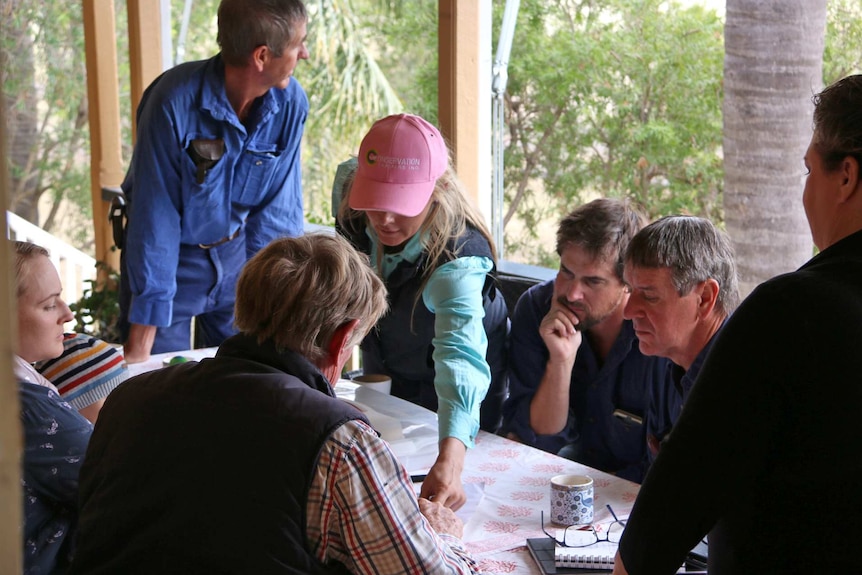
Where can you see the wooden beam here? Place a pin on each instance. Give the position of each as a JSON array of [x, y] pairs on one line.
[[103, 93], [464, 96], [11, 520], [145, 48]]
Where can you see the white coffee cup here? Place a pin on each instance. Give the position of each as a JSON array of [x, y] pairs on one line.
[[374, 381], [571, 500]]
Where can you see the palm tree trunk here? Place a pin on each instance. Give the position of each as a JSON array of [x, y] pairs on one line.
[[772, 67]]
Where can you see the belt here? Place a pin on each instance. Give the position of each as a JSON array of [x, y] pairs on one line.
[[224, 240]]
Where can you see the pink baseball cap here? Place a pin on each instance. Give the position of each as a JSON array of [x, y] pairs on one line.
[[400, 159]]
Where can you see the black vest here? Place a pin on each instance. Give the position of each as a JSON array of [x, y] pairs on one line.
[[400, 345], [205, 467]]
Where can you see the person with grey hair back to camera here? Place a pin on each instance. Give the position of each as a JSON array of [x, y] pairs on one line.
[[248, 463]]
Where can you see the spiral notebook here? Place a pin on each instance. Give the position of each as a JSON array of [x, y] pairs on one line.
[[598, 557], [555, 560]]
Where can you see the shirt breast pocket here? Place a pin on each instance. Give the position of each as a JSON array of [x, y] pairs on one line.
[[255, 172], [203, 172]]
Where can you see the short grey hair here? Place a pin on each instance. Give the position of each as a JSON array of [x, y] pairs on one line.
[[694, 250], [298, 291]]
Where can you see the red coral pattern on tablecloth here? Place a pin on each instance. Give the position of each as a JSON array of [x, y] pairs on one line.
[[500, 527], [601, 482], [513, 511], [549, 468], [534, 481], [629, 496], [497, 566], [494, 466], [485, 479], [527, 496], [505, 453], [479, 549]]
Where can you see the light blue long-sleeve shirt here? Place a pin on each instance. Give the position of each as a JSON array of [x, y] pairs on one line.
[[454, 294]]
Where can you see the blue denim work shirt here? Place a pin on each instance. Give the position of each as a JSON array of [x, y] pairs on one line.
[[256, 184]]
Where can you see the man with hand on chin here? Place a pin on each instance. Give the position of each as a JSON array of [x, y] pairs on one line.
[[578, 382]]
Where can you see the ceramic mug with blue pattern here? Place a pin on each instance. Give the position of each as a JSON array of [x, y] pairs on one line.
[[571, 500]]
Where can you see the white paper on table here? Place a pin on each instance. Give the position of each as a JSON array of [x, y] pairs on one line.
[[475, 492], [389, 428]]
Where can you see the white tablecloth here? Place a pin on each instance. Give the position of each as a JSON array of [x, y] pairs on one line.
[[507, 483], [515, 480]]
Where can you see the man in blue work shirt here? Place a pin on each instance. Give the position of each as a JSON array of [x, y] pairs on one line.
[[215, 175], [683, 283], [578, 383]]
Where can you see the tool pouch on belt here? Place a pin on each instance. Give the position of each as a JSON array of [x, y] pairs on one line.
[[205, 154], [117, 213], [117, 217]]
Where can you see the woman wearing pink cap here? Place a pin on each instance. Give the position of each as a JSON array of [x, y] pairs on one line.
[[443, 342]]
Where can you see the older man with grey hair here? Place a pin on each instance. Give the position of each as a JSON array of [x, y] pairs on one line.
[[248, 463], [683, 287]]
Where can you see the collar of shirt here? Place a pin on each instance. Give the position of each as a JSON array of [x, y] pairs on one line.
[[26, 372], [409, 253], [684, 380], [213, 98]]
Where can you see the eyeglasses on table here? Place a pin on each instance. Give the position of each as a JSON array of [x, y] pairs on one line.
[[586, 535]]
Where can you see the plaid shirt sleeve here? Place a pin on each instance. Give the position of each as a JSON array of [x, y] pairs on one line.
[[362, 512]]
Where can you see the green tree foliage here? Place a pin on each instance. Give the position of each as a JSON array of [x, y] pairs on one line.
[[618, 98], [347, 92], [605, 97], [97, 311], [405, 42], [42, 47], [843, 53]]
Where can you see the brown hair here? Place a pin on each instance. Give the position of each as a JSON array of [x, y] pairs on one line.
[[603, 228], [838, 122]]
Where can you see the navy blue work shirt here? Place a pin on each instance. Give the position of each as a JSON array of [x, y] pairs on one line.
[[593, 435], [668, 396]]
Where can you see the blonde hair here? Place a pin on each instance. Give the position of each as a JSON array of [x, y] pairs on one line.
[[24, 253], [298, 291]]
